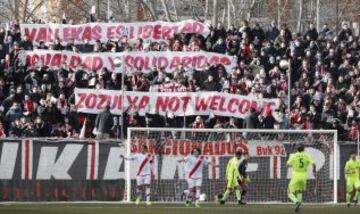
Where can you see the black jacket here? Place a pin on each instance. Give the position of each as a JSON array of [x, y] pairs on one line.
[[104, 122], [251, 121]]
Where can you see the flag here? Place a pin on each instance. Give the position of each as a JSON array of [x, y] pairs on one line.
[[82, 132], [110, 16], [93, 10]]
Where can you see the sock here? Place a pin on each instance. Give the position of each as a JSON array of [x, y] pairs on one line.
[[147, 191], [138, 193], [238, 195], [197, 196], [243, 194], [348, 197], [190, 196], [357, 195], [186, 193], [292, 197], [299, 197], [226, 195]]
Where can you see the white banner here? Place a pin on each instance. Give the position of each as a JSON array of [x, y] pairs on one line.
[[180, 103], [154, 31], [143, 60]]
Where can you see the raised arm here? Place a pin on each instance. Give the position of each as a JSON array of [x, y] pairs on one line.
[[314, 169], [127, 158], [207, 162], [181, 160]]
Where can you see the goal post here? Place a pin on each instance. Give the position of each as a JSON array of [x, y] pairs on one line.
[[268, 151]]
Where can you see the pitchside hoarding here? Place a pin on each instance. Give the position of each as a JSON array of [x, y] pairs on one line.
[[57, 170]]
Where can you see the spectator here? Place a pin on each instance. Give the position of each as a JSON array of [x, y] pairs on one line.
[[345, 33], [272, 33], [219, 46], [14, 113], [2, 131], [104, 124], [268, 121], [29, 131], [210, 84], [198, 123], [311, 33], [324, 80], [342, 135], [251, 121], [353, 133]]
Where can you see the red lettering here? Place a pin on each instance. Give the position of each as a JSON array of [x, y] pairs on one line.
[[87, 63], [31, 34], [201, 60], [90, 101], [208, 149], [56, 60], [147, 31], [129, 61], [139, 62], [143, 102], [81, 97], [259, 150], [230, 105], [112, 64], [166, 149], [132, 102], [67, 33], [175, 62], [222, 103], [76, 33], [102, 101], [166, 31], [120, 31], [157, 32], [41, 36], [87, 33], [220, 148], [187, 27], [110, 32], [201, 104], [186, 61], [214, 60], [163, 62], [175, 148], [161, 104], [174, 104], [185, 102], [97, 63], [244, 106], [184, 148], [225, 61], [74, 61], [96, 32], [214, 103], [197, 27]]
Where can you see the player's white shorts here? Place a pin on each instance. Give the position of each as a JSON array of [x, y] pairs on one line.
[[143, 180], [194, 182]]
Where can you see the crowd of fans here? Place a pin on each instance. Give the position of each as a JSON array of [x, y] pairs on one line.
[[325, 83]]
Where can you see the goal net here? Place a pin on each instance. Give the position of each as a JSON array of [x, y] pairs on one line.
[[268, 151]]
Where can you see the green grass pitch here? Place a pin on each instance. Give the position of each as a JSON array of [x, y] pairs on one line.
[[103, 208]]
